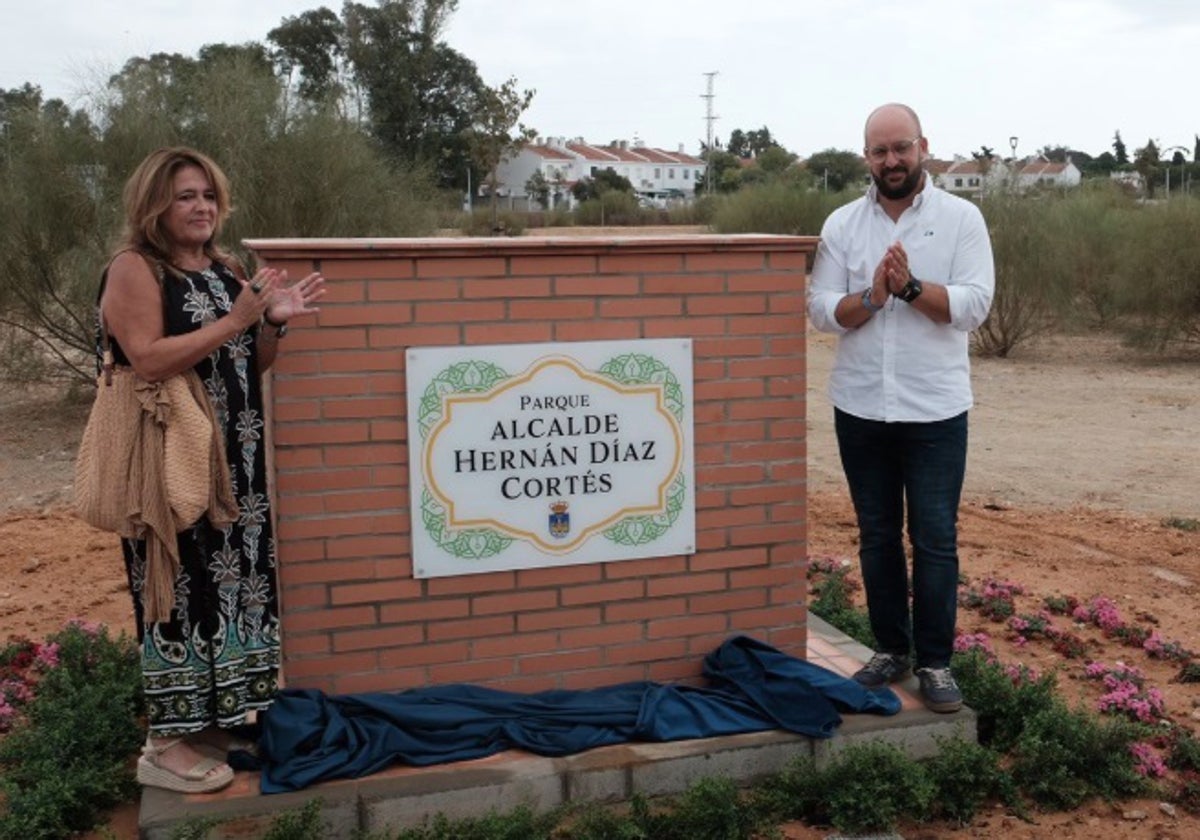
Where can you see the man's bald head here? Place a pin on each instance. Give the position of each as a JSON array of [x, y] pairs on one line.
[[889, 113]]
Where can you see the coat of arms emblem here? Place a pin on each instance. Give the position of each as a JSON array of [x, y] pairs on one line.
[[560, 520]]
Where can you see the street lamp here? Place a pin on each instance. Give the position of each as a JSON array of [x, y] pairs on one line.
[[1015, 174]]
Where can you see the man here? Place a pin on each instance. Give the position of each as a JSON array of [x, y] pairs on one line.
[[903, 275]]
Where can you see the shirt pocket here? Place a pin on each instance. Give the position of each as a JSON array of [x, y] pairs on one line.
[[927, 260]]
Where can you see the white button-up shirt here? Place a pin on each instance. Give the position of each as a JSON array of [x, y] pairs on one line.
[[900, 366]]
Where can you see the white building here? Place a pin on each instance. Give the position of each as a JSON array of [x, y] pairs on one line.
[[1039, 172], [655, 174], [972, 177]]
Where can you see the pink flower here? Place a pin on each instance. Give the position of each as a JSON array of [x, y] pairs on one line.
[[92, 628], [15, 690], [965, 642], [1147, 760], [47, 655]]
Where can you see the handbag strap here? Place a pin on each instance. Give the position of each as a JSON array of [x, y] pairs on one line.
[[107, 360]]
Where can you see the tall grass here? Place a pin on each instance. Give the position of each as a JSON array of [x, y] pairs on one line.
[[777, 208]]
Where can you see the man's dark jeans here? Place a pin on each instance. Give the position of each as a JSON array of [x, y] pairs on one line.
[[887, 465]]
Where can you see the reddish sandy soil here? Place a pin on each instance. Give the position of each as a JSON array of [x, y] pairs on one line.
[[1080, 453]]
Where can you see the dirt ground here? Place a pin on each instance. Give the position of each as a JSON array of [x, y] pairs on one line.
[[1080, 454]]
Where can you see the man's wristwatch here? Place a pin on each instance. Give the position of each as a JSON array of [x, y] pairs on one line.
[[281, 327], [911, 291], [868, 303]]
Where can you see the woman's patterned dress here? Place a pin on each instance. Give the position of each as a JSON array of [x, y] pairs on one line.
[[218, 656]]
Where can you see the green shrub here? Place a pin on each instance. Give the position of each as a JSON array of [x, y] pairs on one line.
[[194, 828], [597, 822], [1087, 227], [710, 809], [869, 787], [1161, 275], [965, 775], [521, 823], [777, 208], [611, 208], [1065, 757], [830, 599], [795, 793], [1004, 698], [66, 760], [302, 824], [1032, 280], [1184, 752], [481, 223]]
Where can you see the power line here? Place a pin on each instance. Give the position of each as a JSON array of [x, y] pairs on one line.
[[709, 119]]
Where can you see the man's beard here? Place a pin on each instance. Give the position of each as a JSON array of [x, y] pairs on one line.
[[905, 188]]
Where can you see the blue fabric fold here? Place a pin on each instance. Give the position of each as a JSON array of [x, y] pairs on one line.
[[309, 737]]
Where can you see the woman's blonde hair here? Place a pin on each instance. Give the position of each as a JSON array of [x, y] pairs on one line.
[[149, 193]]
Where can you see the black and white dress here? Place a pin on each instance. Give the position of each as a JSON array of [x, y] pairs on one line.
[[218, 656]]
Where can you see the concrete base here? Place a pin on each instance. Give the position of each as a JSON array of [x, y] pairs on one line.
[[405, 796]]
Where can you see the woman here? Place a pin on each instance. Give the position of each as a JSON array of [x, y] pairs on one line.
[[172, 300]]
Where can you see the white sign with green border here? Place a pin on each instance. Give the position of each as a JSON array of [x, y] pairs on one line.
[[531, 455]]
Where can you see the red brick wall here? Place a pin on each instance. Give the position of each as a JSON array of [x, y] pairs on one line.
[[354, 618]]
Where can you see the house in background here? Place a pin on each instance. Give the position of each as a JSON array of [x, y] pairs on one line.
[[968, 176], [974, 178], [657, 175], [1040, 172]]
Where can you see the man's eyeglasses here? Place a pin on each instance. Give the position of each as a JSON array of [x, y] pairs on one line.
[[900, 148]]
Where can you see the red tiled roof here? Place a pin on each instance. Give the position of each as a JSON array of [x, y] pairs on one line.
[[655, 155], [548, 152], [684, 157], [1043, 167], [591, 152], [965, 167], [630, 155]]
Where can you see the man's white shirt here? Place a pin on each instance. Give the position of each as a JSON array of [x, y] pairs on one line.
[[900, 366]]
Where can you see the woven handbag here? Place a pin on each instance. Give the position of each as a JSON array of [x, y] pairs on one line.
[[121, 482], [112, 473]]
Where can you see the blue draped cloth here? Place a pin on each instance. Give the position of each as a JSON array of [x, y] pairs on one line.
[[309, 737]]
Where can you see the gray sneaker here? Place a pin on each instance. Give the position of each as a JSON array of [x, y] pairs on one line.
[[883, 668], [939, 690]]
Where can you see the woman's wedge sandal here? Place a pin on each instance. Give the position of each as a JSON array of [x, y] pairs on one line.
[[199, 778]]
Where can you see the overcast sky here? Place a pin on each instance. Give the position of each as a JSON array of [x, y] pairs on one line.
[[1048, 72]]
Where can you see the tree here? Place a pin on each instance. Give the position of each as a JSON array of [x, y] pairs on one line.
[[54, 215], [538, 189], [1146, 163], [774, 160], [722, 172], [312, 174], [421, 95], [984, 157], [1119, 149], [1102, 164], [750, 144], [496, 131], [606, 180], [737, 144], [836, 170], [310, 46]]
